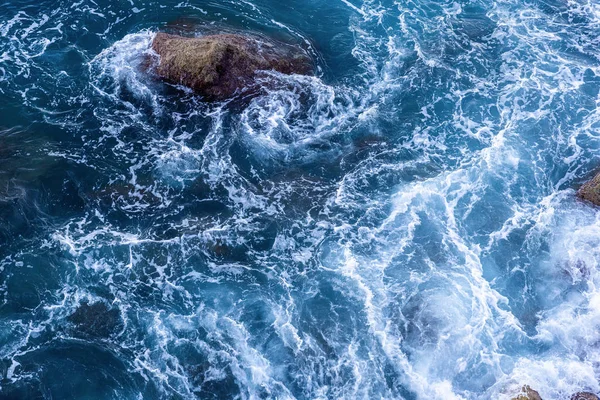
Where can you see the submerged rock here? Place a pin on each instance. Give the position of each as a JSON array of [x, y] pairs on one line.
[[97, 319], [590, 191], [527, 393], [584, 396], [217, 66]]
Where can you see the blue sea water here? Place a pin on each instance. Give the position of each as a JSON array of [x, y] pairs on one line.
[[403, 225]]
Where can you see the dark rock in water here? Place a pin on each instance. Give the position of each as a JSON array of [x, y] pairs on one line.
[[97, 319], [590, 191], [217, 66], [527, 393], [584, 396]]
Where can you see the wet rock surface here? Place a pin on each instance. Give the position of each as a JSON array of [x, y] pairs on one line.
[[590, 191], [218, 66], [527, 393], [96, 320], [584, 396]]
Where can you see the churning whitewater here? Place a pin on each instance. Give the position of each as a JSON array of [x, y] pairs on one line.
[[401, 225]]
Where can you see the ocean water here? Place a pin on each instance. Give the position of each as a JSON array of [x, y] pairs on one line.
[[402, 225]]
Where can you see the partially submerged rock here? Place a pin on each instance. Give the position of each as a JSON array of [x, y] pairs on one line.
[[96, 319], [527, 393], [584, 396], [217, 66], [590, 191]]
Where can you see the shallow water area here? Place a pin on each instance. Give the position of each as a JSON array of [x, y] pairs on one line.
[[402, 225]]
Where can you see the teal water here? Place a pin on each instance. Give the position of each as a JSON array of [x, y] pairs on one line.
[[403, 225]]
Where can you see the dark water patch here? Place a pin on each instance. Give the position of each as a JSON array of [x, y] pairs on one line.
[[71, 370], [96, 320]]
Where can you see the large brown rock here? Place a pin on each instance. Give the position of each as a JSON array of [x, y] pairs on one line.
[[527, 393], [590, 191], [217, 66]]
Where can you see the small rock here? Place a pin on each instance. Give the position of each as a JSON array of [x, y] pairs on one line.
[[584, 396], [97, 319], [590, 191], [217, 66], [527, 393]]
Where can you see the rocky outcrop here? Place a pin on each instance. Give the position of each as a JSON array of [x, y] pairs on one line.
[[584, 396], [527, 393], [590, 191], [218, 66]]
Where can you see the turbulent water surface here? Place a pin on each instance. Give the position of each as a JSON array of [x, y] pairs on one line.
[[403, 225]]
